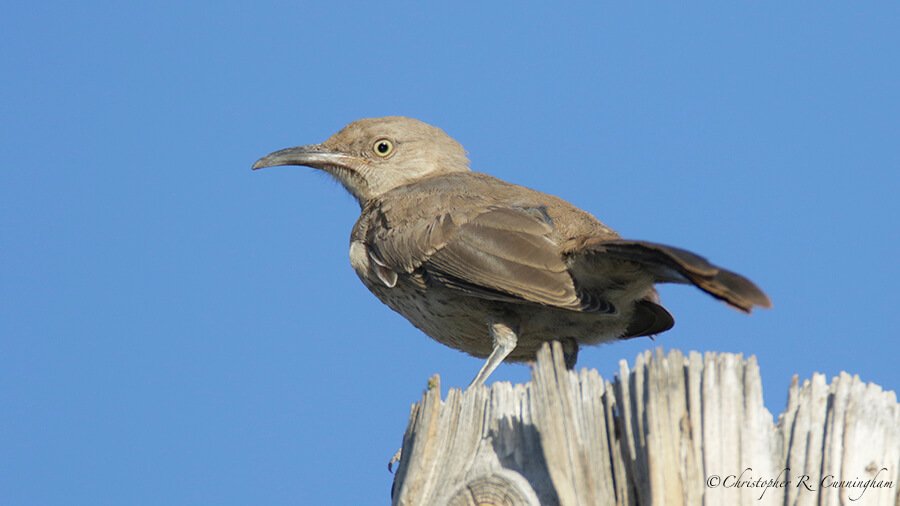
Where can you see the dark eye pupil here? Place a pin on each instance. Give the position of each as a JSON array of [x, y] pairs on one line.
[[382, 147]]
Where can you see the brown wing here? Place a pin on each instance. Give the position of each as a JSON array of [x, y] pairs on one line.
[[671, 264], [503, 254]]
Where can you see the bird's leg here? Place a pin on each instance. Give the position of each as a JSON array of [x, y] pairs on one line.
[[570, 352], [504, 338]]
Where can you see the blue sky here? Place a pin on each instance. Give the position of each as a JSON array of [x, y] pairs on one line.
[[176, 329]]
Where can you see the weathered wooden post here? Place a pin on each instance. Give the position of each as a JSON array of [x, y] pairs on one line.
[[672, 430]]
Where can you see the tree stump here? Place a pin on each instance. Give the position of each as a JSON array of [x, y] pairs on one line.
[[672, 430]]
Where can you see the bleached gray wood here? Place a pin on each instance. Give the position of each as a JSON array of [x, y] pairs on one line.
[[662, 432]]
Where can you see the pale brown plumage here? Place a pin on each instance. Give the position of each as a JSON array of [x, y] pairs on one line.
[[489, 267]]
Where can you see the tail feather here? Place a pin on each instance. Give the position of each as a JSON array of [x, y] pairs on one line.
[[649, 319], [678, 265]]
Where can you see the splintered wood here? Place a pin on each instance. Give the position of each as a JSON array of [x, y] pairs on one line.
[[671, 430]]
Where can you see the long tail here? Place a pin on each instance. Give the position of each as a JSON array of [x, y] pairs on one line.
[[677, 265]]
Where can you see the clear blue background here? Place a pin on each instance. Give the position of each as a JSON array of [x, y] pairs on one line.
[[176, 329]]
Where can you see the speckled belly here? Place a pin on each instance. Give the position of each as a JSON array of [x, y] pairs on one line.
[[460, 321]]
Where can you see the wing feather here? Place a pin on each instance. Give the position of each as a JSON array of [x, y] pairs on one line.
[[496, 253]]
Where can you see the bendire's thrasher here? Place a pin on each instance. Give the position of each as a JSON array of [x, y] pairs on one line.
[[489, 267]]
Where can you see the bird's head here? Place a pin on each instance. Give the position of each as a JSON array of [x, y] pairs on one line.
[[375, 155]]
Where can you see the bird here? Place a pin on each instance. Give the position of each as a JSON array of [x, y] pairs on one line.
[[489, 267]]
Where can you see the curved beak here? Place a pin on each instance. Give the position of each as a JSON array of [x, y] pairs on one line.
[[313, 155]]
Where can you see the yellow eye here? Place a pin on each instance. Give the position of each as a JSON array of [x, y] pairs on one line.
[[383, 147]]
